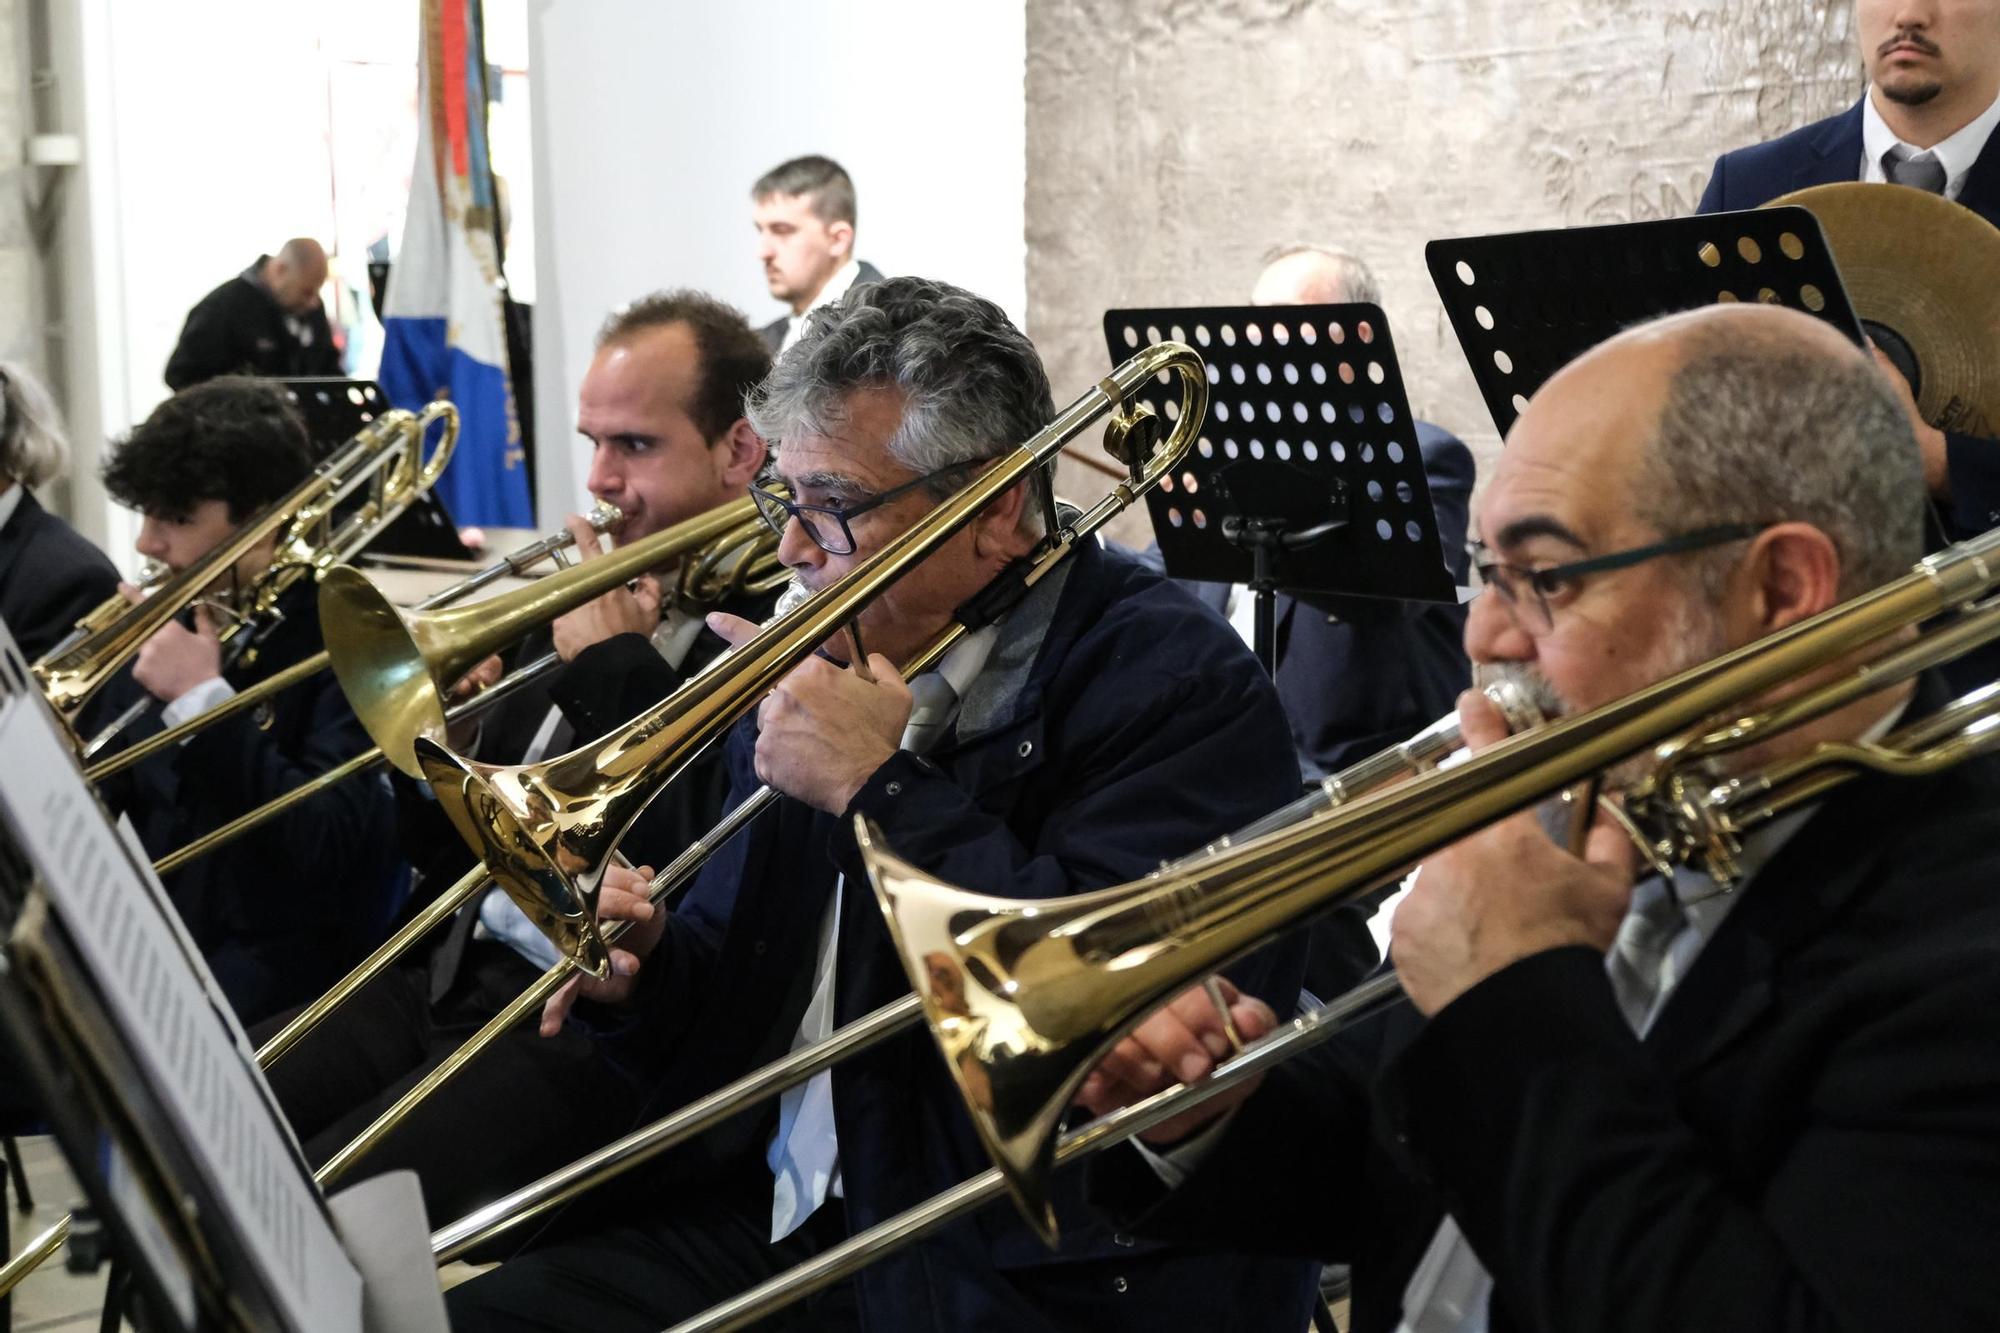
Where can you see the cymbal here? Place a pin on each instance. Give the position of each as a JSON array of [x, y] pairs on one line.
[[1922, 272]]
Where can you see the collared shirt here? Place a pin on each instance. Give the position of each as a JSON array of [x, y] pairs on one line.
[[793, 1198], [1957, 153], [836, 287], [10, 500]]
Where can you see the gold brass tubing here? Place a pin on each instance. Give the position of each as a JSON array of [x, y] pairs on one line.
[[236, 703], [39, 1251], [242, 824], [391, 949]]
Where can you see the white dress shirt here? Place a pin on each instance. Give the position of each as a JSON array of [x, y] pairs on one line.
[[1957, 153], [836, 287]]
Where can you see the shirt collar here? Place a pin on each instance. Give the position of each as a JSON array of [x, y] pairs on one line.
[[9, 502], [1957, 153]]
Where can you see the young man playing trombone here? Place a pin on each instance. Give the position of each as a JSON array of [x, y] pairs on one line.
[[282, 910], [1068, 745], [1617, 1099]]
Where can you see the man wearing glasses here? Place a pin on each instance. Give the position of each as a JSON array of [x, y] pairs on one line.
[[1652, 1103], [1104, 722]]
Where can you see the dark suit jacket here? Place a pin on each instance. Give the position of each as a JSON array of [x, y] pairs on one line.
[[239, 329], [774, 332], [1828, 151], [1809, 1137], [286, 908], [50, 576], [1073, 765]]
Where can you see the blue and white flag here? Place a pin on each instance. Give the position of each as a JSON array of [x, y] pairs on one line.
[[444, 330]]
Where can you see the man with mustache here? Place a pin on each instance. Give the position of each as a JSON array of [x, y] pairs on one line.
[[1103, 722], [1643, 1103], [1925, 121]]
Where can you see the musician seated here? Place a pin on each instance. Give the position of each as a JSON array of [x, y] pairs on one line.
[[50, 576], [662, 407], [288, 906], [1619, 1101], [1058, 750]]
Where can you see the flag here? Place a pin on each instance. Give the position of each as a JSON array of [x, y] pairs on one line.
[[444, 330]]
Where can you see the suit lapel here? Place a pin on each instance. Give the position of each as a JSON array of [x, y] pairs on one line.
[[1836, 152], [14, 537], [1981, 192]]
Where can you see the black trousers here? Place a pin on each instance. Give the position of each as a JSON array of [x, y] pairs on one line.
[[525, 1107], [656, 1266]]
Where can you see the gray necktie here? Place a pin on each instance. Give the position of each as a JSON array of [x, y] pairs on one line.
[[932, 703], [1919, 171], [1635, 963]]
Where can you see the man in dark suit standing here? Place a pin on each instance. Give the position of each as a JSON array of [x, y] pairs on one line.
[[662, 406], [1926, 121], [1654, 1104], [267, 320], [1055, 751], [50, 576], [804, 212]]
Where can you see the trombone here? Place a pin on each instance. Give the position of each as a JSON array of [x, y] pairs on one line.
[[547, 843], [1181, 922], [386, 457]]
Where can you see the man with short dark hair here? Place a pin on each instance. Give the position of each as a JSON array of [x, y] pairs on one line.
[[1055, 751], [1652, 1103], [267, 321], [804, 214], [285, 908], [662, 407], [1926, 120]]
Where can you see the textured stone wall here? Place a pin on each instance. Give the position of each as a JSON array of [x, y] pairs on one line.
[[19, 294], [1172, 142]]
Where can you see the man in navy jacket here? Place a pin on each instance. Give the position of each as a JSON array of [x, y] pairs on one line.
[[1102, 724], [1934, 86]]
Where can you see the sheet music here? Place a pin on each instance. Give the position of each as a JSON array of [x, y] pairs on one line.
[[152, 980]]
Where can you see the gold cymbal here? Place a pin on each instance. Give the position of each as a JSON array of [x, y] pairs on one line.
[[1927, 271]]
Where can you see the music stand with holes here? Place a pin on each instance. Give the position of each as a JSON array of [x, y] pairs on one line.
[[1307, 474], [1525, 304], [335, 410]]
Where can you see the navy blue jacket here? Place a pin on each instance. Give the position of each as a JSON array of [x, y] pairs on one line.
[[50, 576], [1829, 151], [1140, 729], [1807, 1139], [284, 910]]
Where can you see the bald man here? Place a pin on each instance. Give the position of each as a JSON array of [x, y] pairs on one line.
[[1636, 1103], [267, 320]]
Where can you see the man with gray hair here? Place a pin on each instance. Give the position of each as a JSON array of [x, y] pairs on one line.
[[804, 213], [1653, 1103], [1098, 725], [50, 576], [267, 320]]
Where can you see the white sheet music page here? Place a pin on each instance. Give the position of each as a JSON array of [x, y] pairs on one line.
[[150, 975]]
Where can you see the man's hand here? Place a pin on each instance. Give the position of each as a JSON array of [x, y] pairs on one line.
[[1930, 440], [623, 897], [1505, 893], [1179, 1044], [463, 733], [634, 610], [824, 731], [176, 659]]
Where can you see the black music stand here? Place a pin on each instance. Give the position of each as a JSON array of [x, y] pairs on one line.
[[335, 410], [1307, 475], [1525, 304]]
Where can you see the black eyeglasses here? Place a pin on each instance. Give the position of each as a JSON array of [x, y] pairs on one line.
[[1527, 592], [828, 526]]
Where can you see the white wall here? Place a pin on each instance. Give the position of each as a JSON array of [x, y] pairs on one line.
[[653, 118]]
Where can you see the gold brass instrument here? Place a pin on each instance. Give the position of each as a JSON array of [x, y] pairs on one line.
[[1130, 436], [1420, 754], [602, 518], [152, 573], [386, 456], [1049, 986], [459, 638], [547, 830]]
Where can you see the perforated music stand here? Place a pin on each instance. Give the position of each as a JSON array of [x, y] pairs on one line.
[[335, 410], [1525, 304], [1307, 474]]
